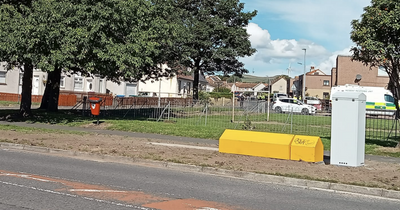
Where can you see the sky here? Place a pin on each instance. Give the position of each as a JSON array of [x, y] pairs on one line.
[[282, 28]]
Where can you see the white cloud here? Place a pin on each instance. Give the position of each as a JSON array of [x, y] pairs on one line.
[[276, 51], [327, 65], [322, 20], [283, 28], [260, 38]]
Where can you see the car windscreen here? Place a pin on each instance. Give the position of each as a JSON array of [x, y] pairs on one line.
[[389, 98]]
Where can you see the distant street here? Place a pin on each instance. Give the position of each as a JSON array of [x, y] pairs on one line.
[[36, 181]]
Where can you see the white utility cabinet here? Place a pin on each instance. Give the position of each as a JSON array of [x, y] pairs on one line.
[[348, 129]]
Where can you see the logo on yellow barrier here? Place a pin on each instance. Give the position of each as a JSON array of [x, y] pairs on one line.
[[303, 141]]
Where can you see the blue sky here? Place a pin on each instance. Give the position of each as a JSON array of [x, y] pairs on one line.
[[282, 28]]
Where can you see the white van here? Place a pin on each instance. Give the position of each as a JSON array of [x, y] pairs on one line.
[[379, 101]]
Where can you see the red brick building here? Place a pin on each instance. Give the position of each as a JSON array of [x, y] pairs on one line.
[[318, 84], [355, 72]]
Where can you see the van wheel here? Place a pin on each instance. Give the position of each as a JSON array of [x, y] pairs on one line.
[[278, 109], [304, 111]]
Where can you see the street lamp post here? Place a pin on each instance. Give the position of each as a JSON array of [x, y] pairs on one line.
[[304, 76], [159, 94], [269, 95]]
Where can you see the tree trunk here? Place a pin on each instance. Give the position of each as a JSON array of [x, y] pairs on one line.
[[394, 87], [26, 95], [45, 99], [54, 90], [196, 74]]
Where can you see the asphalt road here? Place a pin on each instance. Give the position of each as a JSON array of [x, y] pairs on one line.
[[38, 181]]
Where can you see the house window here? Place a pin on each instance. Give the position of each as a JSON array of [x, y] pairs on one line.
[[3, 77], [78, 83], [62, 81], [21, 75], [325, 95], [188, 87], [89, 84], [326, 82], [382, 71], [101, 84]]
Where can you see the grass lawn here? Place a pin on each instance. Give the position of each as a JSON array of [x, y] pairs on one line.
[[213, 128]]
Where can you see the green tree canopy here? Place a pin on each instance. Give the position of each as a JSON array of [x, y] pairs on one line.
[[215, 37], [222, 90], [17, 45], [123, 40], [234, 78], [376, 36]]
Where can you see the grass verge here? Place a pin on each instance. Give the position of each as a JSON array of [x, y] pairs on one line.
[[22, 129], [182, 128]]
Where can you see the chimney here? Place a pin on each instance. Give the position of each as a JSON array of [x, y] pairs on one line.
[[312, 68]]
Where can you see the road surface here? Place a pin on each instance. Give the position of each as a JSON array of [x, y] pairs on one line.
[[39, 181]]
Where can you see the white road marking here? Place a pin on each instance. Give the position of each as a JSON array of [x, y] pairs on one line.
[[25, 176], [76, 196], [184, 146]]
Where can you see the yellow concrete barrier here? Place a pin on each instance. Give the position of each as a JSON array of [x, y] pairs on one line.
[[307, 148], [261, 144], [272, 145]]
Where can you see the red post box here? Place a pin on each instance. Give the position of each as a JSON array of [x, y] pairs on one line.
[[95, 105]]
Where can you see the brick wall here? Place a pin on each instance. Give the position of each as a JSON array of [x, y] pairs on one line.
[[315, 85], [333, 77], [347, 70]]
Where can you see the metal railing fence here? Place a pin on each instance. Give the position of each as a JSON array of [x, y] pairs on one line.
[[253, 115]]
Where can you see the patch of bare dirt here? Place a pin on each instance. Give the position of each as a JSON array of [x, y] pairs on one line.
[[389, 149], [372, 174], [101, 125]]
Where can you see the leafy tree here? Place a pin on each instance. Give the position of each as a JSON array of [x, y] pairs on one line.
[[222, 90], [215, 37], [223, 77], [17, 45], [124, 40], [377, 41], [204, 97], [234, 78], [286, 77]]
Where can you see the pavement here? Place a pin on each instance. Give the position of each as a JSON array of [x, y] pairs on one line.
[[326, 186]]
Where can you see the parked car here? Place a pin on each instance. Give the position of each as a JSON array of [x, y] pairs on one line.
[[313, 101], [279, 95], [292, 105]]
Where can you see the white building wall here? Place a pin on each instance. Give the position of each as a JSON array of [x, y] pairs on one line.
[[39, 80], [11, 83], [209, 88], [116, 89], [257, 88], [68, 83], [166, 87], [186, 88], [280, 86]]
